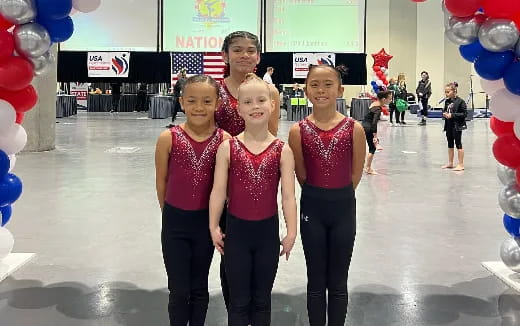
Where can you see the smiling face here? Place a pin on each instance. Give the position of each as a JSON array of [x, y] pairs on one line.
[[323, 87], [199, 102], [254, 102], [242, 55]]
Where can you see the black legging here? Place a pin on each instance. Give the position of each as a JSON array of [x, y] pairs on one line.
[[369, 135], [252, 251], [424, 111], [393, 109], [454, 138], [187, 252], [328, 230], [115, 102], [141, 101]]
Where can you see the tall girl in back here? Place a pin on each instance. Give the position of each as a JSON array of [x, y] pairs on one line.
[[185, 163], [248, 170], [329, 151]]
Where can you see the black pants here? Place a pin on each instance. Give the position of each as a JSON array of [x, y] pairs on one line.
[[176, 108], [115, 102], [328, 230], [454, 138], [141, 102], [370, 141], [424, 111], [393, 109], [187, 253], [252, 251]]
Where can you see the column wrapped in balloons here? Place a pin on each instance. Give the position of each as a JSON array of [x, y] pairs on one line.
[[488, 34], [27, 30]]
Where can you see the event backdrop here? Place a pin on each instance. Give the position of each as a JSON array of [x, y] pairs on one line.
[[201, 25], [116, 25], [315, 26]]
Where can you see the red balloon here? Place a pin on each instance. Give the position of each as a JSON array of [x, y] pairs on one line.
[[463, 8], [500, 8], [516, 19], [22, 100], [19, 117], [381, 58], [4, 24], [15, 73], [506, 150], [6, 44], [385, 82], [500, 127], [377, 68], [380, 74], [385, 111]]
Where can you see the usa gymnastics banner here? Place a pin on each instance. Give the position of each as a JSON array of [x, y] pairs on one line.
[[108, 64], [301, 62]]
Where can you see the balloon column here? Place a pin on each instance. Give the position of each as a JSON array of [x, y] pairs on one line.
[[380, 70], [488, 34], [27, 30]]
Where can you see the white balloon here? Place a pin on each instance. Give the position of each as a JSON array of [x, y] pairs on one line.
[[387, 72], [12, 162], [6, 243], [383, 69], [379, 82], [14, 141], [7, 116], [86, 5], [517, 128], [491, 86], [505, 105]]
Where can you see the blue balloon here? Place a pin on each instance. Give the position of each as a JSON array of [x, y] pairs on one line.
[[373, 83], [4, 164], [512, 225], [492, 65], [10, 189], [471, 51], [512, 78], [53, 9], [60, 30], [6, 213]]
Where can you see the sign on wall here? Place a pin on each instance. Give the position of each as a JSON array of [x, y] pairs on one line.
[[80, 90], [301, 62], [108, 64]]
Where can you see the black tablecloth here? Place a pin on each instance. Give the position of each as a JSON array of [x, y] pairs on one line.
[[161, 106], [298, 112], [103, 103], [359, 108], [66, 105]]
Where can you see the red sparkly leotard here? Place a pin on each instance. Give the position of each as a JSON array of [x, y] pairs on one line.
[[253, 181], [190, 170], [227, 116], [327, 154]]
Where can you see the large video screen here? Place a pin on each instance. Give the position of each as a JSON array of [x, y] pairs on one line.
[[315, 26], [116, 25], [202, 25]]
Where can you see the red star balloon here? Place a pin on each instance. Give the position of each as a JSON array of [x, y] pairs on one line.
[[381, 58]]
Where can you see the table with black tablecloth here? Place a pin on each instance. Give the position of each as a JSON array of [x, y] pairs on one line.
[[66, 105], [103, 103], [359, 107], [161, 106]]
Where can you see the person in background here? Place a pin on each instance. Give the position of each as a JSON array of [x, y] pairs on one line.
[[424, 91], [116, 96], [267, 76], [177, 93], [370, 125], [297, 91], [454, 114], [392, 87], [141, 97], [403, 95]]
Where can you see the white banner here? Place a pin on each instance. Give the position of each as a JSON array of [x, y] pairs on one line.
[[301, 62], [108, 64], [80, 90]]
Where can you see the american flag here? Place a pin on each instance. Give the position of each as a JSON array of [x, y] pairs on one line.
[[207, 63]]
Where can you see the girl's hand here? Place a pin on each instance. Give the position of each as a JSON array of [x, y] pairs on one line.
[[218, 239], [287, 244]]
